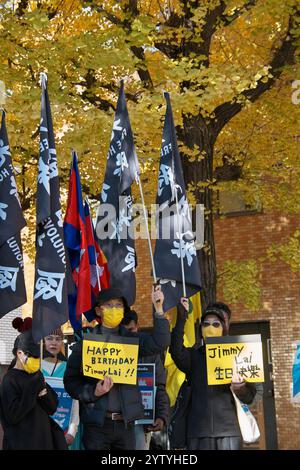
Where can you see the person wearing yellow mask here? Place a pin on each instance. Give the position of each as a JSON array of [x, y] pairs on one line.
[[26, 401], [108, 410], [211, 420]]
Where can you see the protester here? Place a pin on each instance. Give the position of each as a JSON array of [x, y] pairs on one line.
[[108, 410], [26, 402], [211, 418], [162, 402], [54, 365]]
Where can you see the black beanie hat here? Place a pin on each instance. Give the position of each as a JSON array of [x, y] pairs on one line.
[[26, 343], [108, 294]]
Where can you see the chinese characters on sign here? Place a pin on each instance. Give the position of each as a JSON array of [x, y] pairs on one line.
[[229, 354], [110, 355]]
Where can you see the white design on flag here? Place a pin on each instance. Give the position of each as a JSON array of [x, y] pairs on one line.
[[8, 277], [40, 239], [130, 260], [166, 178], [105, 188], [59, 217], [121, 163], [43, 176], [188, 249], [166, 281], [116, 127], [94, 270], [3, 214], [48, 171], [49, 285], [14, 191], [53, 170], [184, 208], [4, 151], [118, 226]]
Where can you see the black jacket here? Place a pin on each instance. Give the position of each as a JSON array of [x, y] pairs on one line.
[[93, 409], [212, 411], [162, 402], [25, 415]]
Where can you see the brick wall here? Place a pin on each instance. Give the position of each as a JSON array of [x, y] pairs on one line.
[[242, 238], [7, 336]]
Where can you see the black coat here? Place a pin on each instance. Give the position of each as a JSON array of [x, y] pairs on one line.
[[25, 415], [93, 409], [212, 411]]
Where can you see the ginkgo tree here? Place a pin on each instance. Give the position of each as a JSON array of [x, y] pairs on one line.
[[229, 66]]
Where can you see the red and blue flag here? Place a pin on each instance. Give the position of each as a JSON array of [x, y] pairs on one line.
[[75, 233]]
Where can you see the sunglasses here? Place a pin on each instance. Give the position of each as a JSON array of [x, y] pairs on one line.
[[215, 324]]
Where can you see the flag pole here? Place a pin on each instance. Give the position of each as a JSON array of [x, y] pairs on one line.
[[41, 354], [97, 267], [137, 176]]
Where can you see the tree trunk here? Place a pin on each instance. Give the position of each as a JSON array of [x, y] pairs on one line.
[[196, 132]]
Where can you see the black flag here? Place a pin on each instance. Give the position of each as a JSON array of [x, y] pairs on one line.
[[50, 303], [174, 226], [12, 284], [113, 228]]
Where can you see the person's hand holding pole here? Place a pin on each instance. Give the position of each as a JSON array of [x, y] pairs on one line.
[[158, 299]]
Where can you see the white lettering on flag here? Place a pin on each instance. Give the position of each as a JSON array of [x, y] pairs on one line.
[[8, 277], [49, 285]]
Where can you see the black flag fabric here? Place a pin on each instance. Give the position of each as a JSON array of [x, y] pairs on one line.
[[114, 225], [174, 227], [12, 284], [50, 303]]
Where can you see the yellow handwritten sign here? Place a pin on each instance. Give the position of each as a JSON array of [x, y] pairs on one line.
[[112, 356], [228, 354]]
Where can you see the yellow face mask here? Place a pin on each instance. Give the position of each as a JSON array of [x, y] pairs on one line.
[[31, 365], [112, 317], [211, 331]]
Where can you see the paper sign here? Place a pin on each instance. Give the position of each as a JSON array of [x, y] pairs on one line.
[[146, 383], [112, 356], [63, 413], [226, 354]]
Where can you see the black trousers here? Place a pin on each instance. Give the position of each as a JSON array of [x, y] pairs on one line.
[[215, 443], [112, 436]]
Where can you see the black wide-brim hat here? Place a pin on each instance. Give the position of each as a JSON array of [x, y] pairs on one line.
[[111, 293], [25, 343]]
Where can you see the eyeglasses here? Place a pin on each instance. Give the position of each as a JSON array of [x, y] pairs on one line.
[[215, 324]]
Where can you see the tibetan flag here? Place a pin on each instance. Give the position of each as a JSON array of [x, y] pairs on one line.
[[75, 233], [98, 264]]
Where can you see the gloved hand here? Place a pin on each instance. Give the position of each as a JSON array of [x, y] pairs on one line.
[[183, 309]]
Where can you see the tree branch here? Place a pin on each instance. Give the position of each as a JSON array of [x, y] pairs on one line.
[[238, 12], [131, 8], [284, 55]]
